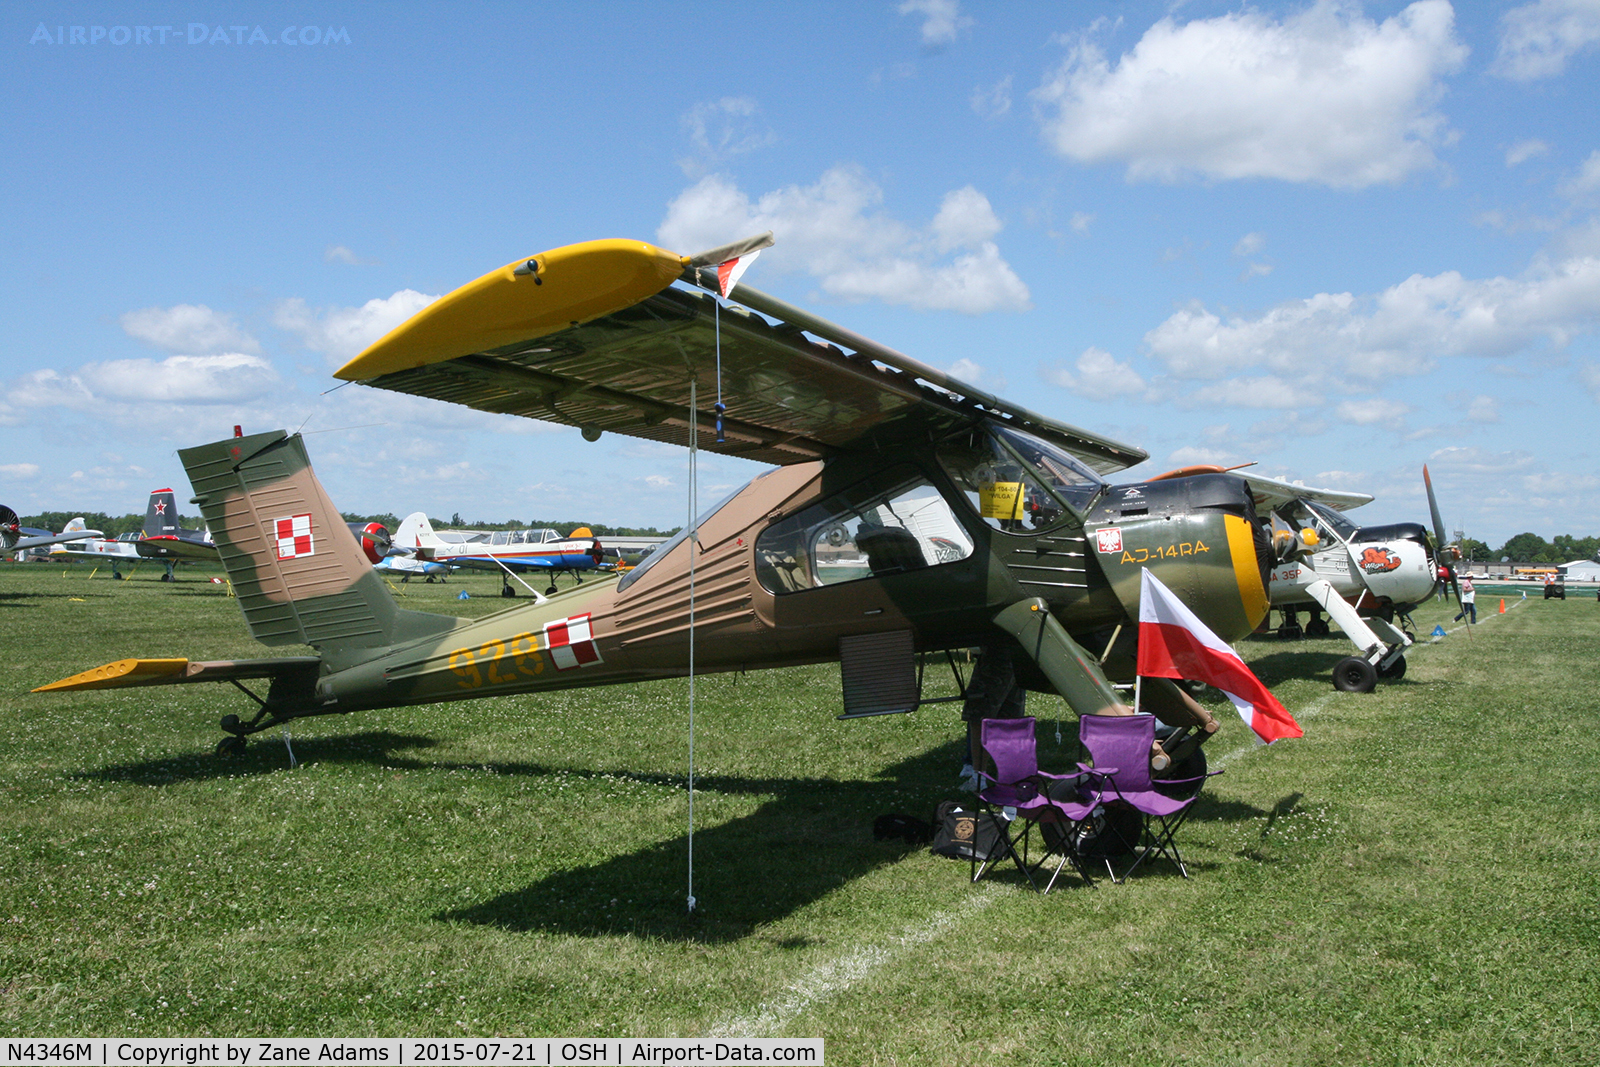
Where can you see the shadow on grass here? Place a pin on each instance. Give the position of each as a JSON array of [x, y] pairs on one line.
[[268, 755], [32, 600], [812, 838]]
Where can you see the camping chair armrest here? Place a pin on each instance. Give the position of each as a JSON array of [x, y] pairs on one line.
[[1196, 778]]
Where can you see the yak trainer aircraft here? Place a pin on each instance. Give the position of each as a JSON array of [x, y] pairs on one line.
[[908, 512], [543, 551]]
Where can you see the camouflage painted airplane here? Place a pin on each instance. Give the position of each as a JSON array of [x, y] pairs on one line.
[[907, 512]]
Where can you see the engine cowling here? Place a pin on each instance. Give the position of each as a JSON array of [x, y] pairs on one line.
[[373, 537]]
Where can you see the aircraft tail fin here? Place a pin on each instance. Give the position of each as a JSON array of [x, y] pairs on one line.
[[161, 517], [299, 576], [75, 525], [416, 532]]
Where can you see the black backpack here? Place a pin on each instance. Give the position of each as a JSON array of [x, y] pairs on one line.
[[963, 834]]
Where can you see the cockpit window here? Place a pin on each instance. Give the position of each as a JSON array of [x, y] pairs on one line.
[[1018, 482], [893, 523], [1330, 520]]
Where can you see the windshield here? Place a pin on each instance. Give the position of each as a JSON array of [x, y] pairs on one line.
[[1017, 481], [664, 549], [1331, 520]]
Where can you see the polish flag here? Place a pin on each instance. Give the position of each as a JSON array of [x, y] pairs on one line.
[[728, 273], [1174, 643]]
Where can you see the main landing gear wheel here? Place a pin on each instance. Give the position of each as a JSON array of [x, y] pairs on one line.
[[232, 746], [1354, 675], [1317, 628], [1394, 671], [1287, 632]]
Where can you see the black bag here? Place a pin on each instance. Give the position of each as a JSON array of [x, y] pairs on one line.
[[963, 834]]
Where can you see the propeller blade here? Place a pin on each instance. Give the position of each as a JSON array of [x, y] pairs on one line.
[[712, 257], [1433, 506], [1440, 539]]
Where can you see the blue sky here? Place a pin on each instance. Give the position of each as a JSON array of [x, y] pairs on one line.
[[1341, 240]]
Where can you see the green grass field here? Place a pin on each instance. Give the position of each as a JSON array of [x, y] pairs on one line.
[[1416, 881]]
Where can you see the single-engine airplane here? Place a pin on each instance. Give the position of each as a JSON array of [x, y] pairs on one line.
[[14, 537], [509, 552], [1364, 577], [908, 512]]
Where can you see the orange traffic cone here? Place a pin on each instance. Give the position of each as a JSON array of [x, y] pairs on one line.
[[1502, 605]]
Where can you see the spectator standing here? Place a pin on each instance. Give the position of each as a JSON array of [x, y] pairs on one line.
[[1469, 602]]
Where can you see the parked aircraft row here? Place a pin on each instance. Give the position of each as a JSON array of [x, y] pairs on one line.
[[415, 549], [907, 512]]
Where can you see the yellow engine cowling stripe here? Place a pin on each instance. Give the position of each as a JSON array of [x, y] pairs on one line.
[[1246, 570]]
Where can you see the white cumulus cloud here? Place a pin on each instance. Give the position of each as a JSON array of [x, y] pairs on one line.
[[1404, 330], [1097, 375], [1324, 96], [1537, 39], [1523, 151], [836, 232], [187, 329], [342, 332], [942, 20]]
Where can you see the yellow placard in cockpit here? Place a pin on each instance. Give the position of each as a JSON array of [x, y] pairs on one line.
[[1002, 500]]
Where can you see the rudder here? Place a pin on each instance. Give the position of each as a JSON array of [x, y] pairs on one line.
[[299, 578]]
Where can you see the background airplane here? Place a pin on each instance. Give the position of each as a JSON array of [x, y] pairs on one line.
[[14, 537], [509, 552], [166, 540], [1363, 577]]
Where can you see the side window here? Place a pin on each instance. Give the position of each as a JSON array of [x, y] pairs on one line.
[[861, 534]]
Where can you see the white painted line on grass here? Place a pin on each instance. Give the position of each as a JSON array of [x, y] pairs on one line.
[[835, 976]]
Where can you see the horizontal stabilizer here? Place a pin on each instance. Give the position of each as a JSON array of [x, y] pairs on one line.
[[132, 672]]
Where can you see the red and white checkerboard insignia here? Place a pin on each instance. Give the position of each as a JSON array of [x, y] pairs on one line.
[[1108, 539], [294, 537], [571, 642]]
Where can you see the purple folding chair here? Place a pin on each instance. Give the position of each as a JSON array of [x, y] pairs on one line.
[[1120, 747], [1019, 786]]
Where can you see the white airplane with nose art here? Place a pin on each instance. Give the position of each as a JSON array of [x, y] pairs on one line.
[[1363, 577]]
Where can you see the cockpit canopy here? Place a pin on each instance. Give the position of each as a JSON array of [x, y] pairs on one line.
[[1017, 482]]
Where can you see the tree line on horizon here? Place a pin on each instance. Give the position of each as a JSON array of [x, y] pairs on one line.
[[1523, 548]]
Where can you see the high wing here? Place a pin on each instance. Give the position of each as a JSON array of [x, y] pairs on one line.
[[1271, 493], [596, 335]]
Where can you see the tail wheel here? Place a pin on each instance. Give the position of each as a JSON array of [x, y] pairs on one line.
[[1354, 675]]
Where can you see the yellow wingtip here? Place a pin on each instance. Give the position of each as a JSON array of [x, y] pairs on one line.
[[121, 673]]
